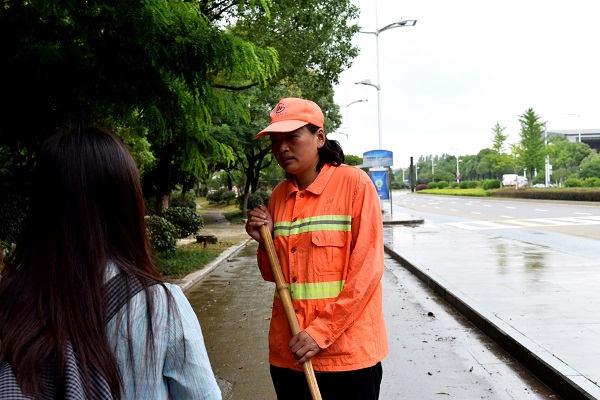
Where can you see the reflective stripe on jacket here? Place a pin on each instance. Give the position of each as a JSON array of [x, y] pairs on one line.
[[329, 240]]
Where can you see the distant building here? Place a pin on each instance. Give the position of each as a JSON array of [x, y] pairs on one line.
[[591, 137]]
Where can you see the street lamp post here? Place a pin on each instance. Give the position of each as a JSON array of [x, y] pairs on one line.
[[457, 170], [397, 24]]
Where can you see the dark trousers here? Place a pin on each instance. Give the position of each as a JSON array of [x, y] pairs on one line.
[[362, 384]]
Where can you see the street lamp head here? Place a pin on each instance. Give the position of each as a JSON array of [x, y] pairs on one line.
[[355, 101], [368, 83], [398, 24]]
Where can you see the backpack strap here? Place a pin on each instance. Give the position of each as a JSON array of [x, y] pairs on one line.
[[117, 292]]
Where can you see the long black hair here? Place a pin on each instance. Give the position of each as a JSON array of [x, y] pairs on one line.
[[86, 209]]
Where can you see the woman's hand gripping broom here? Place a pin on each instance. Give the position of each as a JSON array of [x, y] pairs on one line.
[[284, 294]]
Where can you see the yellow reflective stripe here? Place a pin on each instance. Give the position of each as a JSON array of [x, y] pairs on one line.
[[314, 291], [341, 223]]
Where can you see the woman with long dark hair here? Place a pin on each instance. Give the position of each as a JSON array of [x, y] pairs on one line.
[[85, 225]]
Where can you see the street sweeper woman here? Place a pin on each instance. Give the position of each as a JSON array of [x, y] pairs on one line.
[[325, 220]]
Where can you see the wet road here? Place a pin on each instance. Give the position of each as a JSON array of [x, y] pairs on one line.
[[434, 353]]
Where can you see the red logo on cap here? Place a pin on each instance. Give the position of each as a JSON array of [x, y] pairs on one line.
[[280, 108]]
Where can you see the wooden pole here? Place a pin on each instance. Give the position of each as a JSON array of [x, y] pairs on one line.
[[286, 299]]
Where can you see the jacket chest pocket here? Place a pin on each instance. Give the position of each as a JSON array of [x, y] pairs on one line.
[[328, 252]]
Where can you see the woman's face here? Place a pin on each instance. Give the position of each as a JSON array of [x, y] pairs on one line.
[[297, 151]]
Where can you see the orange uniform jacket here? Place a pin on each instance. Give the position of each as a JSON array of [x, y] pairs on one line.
[[329, 240]]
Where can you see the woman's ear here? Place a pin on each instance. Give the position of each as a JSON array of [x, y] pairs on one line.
[[320, 138]]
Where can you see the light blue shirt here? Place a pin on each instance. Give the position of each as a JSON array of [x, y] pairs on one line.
[[178, 365]]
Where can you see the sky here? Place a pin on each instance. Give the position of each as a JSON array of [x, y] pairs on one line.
[[465, 66]]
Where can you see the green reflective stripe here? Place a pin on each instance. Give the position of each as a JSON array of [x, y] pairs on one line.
[[320, 223], [314, 291]]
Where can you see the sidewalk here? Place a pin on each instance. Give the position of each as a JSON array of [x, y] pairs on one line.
[[540, 305]]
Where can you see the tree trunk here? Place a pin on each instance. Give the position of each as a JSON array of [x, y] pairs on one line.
[[163, 182]]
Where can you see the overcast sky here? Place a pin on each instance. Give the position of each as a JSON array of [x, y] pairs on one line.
[[466, 65]]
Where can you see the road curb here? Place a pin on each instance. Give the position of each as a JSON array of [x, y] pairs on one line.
[[188, 281], [564, 380]]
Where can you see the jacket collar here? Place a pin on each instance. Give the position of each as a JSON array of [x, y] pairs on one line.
[[318, 185]]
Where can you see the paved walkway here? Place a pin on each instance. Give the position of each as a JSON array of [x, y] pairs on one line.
[[539, 304]]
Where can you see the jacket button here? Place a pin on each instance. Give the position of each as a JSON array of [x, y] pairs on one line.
[[327, 341], [294, 219], [301, 195], [294, 279], [293, 249], [296, 310]]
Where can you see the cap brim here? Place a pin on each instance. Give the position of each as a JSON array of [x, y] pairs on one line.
[[281, 126]]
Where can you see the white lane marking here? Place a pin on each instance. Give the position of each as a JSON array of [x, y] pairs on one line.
[[475, 212], [580, 213], [512, 208], [506, 216], [540, 209], [487, 205], [527, 223]]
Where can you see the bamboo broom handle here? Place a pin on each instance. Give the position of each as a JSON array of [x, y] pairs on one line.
[[286, 299]]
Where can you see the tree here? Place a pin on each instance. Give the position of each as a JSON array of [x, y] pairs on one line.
[[499, 138], [152, 66], [353, 160], [313, 40], [532, 141], [566, 154], [590, 167], [497, 159]]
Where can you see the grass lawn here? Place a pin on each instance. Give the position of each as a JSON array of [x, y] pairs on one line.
[[194, 256], [189, 258]]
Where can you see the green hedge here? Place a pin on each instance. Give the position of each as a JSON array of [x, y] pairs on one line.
[[549, 194], [491, 184]]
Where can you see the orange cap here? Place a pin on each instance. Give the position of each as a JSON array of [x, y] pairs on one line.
[[291, 114]]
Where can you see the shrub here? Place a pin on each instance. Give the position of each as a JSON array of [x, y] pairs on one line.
[[179, 202], [256, 199], [463, 185], [221, 195], [591, 182], [163, 234], [228, 195], [432, 185], [421, 186], [442, 184], [454, 185], [187, 221], [491, 184], [573, 182], [472, 184], [12, 214], [214, 197], [150, 203]]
